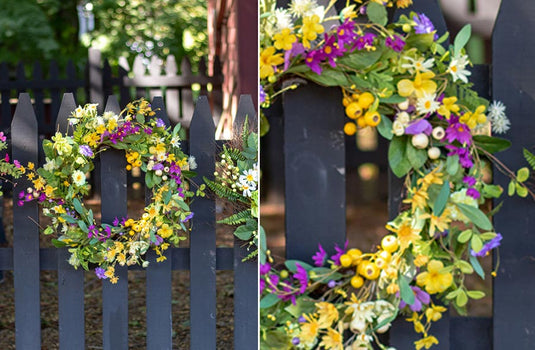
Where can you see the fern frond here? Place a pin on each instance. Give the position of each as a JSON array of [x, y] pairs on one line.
[[233, 153], [236, 219], [530, 158], [224, 192]]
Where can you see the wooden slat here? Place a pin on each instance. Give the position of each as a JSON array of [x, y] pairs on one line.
[[158, 283], [44, 125], [314, 152], [471, 333], [171, 94], [70, 281], [202, 241], [114, 296], [53, 74], [5, 108], [186, 95], [96, 83], [124, 91], [513, 79], [245, 273], [26, 233]]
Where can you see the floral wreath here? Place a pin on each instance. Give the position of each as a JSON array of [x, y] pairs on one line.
[[401, 79], [59, 187]]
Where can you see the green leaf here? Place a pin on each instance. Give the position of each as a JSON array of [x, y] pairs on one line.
[[464, 266], [262, 244], [264, 124], [442, 199], [491, 144], [268, 301], [452, 164], [452, 294], [397, 156], [385, 128], [244, 232], [361, 60], [476, 216], [394, 99], [522, 174], [461, 39], [530, 158], [58, 243], [476, 243], [421, 41], [328, 77], [461, 299], [492, 191], [407, 295], [290, 265], [377, 13], [301, 307], [475, 294], [477, 267], [521, 190], [487, 236], [511, 188], [93, 241], [464, 236], [82, 226], [417, 157], [140, 118], [149, 179], [78, 206]]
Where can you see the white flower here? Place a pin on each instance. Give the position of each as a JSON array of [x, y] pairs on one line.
[[397, 128], [420, 64], [247, 189], [457, 68], [427, 104], [78, 177], [303, 8], [404, 118], [249, 176], [192, 163], [363, 314], [283, 19], [175, 141], [49, 165], [499, 121]]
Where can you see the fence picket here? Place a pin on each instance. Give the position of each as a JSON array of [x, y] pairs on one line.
[[186, 95], [114, 296], [96, 87], [171, 94], [37, 76], [158, 282], [124, 91], [5, 94], [26, 233], [245, 273], [53, 74], [314, 152], [513, 75], [202, 238]]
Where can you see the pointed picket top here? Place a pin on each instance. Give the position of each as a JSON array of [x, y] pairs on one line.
[[158, 106], [245, 109], [123, 64], [202, 67], [139, 67], [24, 130], [112, 105], [155, 67], [68, 105], [202, 125], [185, 67], [171, 67]]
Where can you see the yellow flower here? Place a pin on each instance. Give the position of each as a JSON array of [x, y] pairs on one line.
[[311, 28], [473, 119], [268, 59], [418, 199], [403, 3], [165, 231], [434, 177], [31, 166], [428, 342], [309, 330], [434, 313], [434, 279], [448, 107], [39, 183], [406, 233], [421, 85], [437, 223], [49, 190], [421, 260], [332, 340], [30, 176], [327, 314], [284, 40]]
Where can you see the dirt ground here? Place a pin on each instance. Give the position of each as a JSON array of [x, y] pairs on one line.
[[136, 300]]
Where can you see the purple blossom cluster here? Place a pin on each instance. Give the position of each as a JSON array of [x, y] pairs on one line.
[[487, 247], [288, 289], [420, 298], [128, 128]]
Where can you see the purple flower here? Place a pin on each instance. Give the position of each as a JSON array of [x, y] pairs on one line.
[[301, 319], [319, 257], [345, 33], [469, 180], [302, 276], [147, 131], [116, 221], [17, 163], [92, 231], [472, 192], [423, 24], [458, 131], [364, 41], [331, 50], [287, 295], [295, 341], [313, 60], [332, 284], [487, 247], [339, 252], [99, 271], [264, 269], [187, 217], [261, 94], [465, 159], [2, 137], [297, 49], [158, 166], [160, 123], [107, 229], [420, 297], [418, 127], [262, 286], [397, 44], [85, 150]]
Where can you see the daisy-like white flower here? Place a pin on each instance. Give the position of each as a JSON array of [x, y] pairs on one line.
[[497, 117], [457, 68], [250, 176], [78, 177], [427, 104], [419, 64], [175, 141], [49, 165], [302, 8], [247, 188]]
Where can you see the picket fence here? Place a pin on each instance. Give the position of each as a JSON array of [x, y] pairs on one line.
[[202, 258], [315, 183], [97, 79]]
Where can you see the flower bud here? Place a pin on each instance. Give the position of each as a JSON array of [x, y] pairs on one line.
[[403, 105], [397, 128], [158, 172], [403, 118]]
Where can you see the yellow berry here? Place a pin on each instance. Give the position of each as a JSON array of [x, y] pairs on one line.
[[345, 260], [365, 100], [386, 256], [357, 281], [372, 118], [350, 128], [390, 243], [346, 101], [361, 122], [371, 271], [380, 263], [353, 110], [355, 255], [284, 274]]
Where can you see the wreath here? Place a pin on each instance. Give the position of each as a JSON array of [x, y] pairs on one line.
[[401, 79], [61, 183]]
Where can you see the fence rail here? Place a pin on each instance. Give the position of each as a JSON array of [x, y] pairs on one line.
[[315, 182], [202, 258]]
